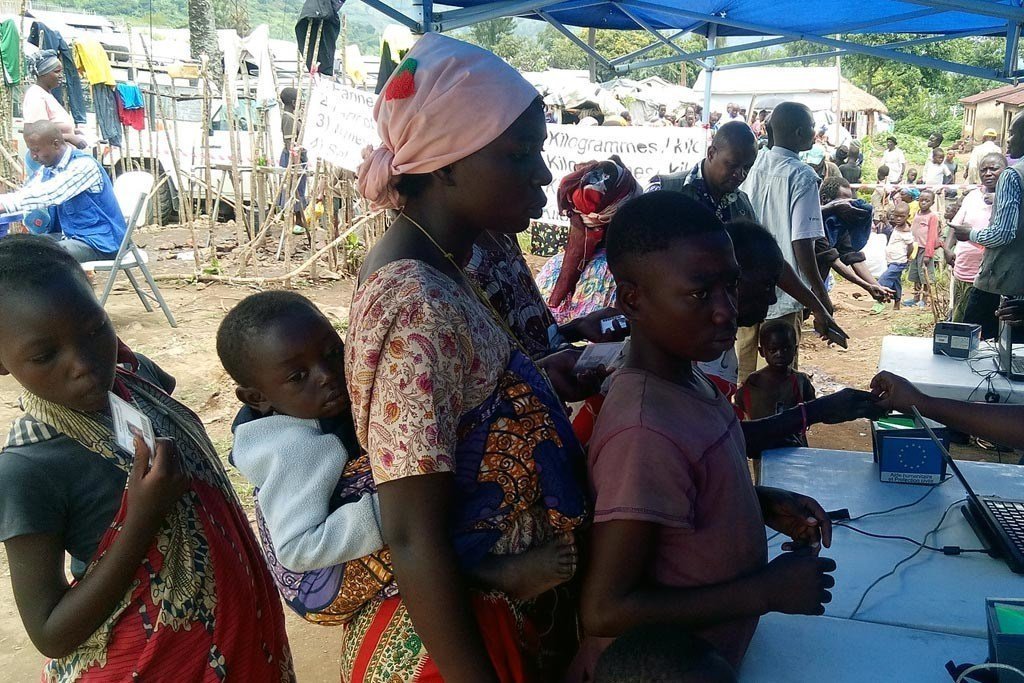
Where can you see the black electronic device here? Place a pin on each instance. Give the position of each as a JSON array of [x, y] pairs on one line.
[[956, 340], [998, 522], [1010, 364]]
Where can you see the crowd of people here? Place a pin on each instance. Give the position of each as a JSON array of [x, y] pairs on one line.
[[421, 482]]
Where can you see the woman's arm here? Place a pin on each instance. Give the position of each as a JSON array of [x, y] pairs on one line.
[[414, 516], [59, 618], [998, 422]]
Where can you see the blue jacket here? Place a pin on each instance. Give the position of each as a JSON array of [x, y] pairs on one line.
[[95, 219]]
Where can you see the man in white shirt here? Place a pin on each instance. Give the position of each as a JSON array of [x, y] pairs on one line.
[[784, 193], [894, 159]]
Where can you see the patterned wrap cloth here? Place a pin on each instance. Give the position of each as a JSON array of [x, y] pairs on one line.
[[202, 604]]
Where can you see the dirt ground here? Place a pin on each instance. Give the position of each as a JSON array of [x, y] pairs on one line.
[[188, 353]]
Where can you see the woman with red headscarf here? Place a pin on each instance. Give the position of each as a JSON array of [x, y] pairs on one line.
[[577, 282]]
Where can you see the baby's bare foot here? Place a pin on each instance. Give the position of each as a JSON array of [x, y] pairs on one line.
[[539, 570]]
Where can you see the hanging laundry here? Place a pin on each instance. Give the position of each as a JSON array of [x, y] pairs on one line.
[[130, 116], [316, 33], [73, 98], [91, 59], [131, 96], [10, 52], [106, 113]]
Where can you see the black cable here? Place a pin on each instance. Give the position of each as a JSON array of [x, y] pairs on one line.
[[945, 550], [906, 559], [927, 493]]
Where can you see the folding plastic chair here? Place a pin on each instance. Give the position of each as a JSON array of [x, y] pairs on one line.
[[133, 191]]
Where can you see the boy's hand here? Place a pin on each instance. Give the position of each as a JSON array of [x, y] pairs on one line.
[[798, 583], [881, 294], [828, 329], [843, 406], [570, 385], [799, 517], [894, 392], [1012, 312], [153, 490]]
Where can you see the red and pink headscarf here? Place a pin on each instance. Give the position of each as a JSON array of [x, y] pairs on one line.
[[447, 100]]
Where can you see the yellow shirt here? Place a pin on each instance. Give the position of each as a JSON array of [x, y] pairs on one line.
[[91, 60]]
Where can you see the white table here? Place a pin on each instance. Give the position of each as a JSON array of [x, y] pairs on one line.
[[932, 592], [955, 378], [795, 649]]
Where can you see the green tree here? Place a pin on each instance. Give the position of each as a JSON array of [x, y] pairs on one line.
[[563, 54], [488, 34]]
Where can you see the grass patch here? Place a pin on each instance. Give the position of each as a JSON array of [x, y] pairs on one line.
[[913, 325], [242, 487]]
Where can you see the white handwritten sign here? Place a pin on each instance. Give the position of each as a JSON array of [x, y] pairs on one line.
[[339, 124], [646, 151]]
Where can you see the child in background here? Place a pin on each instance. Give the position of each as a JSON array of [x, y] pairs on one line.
[[897, 253], [925, 227], [935, 171], [881, 202], [295, 443], [912, 176], [775, 387], [662, 654], [909, 196], [667, 464], [169, 583]]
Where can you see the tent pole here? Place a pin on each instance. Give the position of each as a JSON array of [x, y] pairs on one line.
[[709, 71], [428, 15]]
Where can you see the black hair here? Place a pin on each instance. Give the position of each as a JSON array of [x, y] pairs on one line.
[[938, 136], [773, 327], [30, 261], [883, 171], [939, 150], [289, 96], [244, 325], [412, 185], [652, 222], [756, 249], [661, 654], [830, 187], [842, 155]]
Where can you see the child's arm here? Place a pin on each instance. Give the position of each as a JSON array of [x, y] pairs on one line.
[[296, 468], [59, 618], [618, 595]]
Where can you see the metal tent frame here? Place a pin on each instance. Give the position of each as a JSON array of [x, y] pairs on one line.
[[936, 21]]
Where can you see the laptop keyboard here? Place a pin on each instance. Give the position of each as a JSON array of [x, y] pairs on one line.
[[1010, 516]]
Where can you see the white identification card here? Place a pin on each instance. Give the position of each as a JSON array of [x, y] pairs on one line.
[[129, 422], [596, 355]]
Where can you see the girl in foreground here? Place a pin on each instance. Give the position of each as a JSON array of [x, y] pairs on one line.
[[169, 580]]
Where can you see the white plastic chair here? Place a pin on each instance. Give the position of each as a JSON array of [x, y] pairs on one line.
[[133, 191]]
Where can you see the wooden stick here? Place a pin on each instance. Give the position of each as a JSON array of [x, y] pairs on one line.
[[204, 277]]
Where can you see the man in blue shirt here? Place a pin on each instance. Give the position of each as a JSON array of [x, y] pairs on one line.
[[76, 190]]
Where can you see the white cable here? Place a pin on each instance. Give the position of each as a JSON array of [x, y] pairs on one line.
[[991, 665]]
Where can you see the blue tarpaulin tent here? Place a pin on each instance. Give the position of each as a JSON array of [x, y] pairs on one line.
[[778, 22], [832, 24]]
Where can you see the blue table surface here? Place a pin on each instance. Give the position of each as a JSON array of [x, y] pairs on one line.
[[933, 592]]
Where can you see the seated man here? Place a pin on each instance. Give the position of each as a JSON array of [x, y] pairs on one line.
[[76, 190]]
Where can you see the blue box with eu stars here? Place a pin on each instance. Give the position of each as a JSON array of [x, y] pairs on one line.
[[904, 452]]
